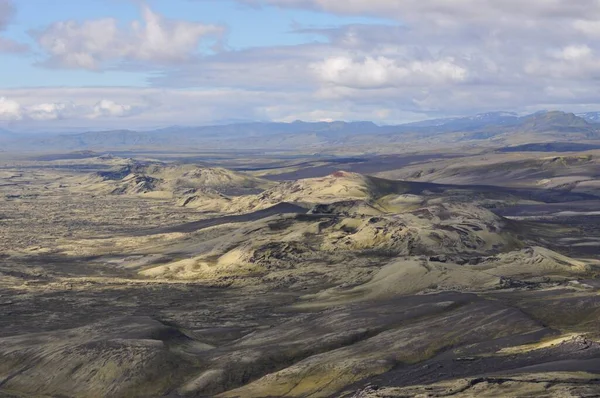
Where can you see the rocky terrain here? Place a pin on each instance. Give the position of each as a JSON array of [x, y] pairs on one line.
[[142, 277]]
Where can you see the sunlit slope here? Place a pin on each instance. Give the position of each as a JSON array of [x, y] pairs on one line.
[[171, 181]]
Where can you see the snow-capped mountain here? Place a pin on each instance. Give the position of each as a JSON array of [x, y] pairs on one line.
[[592, 117], [470, 122]]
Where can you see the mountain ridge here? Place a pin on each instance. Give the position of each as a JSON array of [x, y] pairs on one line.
[[300, 134]]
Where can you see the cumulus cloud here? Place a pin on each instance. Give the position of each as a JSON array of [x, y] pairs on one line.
[[574, 52], [153, 107], [383, 72], [7, 13], [590, 28], [574, 62], [457, 57], [109, 108], [11, 46], [59, 109], [25, 109], [9, 110], [47, 111], [428, 58], [101, 43]]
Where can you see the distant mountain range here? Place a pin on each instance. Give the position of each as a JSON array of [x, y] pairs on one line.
[[471, 122], [501, 127]]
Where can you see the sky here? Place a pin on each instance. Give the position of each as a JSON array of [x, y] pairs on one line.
[[104, 64]]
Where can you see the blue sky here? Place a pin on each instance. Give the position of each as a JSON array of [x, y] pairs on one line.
[[141, 64], [247, 27]]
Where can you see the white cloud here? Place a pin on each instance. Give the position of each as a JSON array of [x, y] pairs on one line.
[[109, 108], [588, 27], [436, 57], [151, 108], [574, 62], [60, 109], [11, 46], [25, 109], [383, 72], [574, 52], [7, 12], [46, 111], [9, 110], [96, 44], [282, 114]]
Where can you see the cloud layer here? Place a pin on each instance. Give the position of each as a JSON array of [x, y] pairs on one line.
[[416, 59], [59, 109], [387, 72], [449, 11], [30, 111]]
